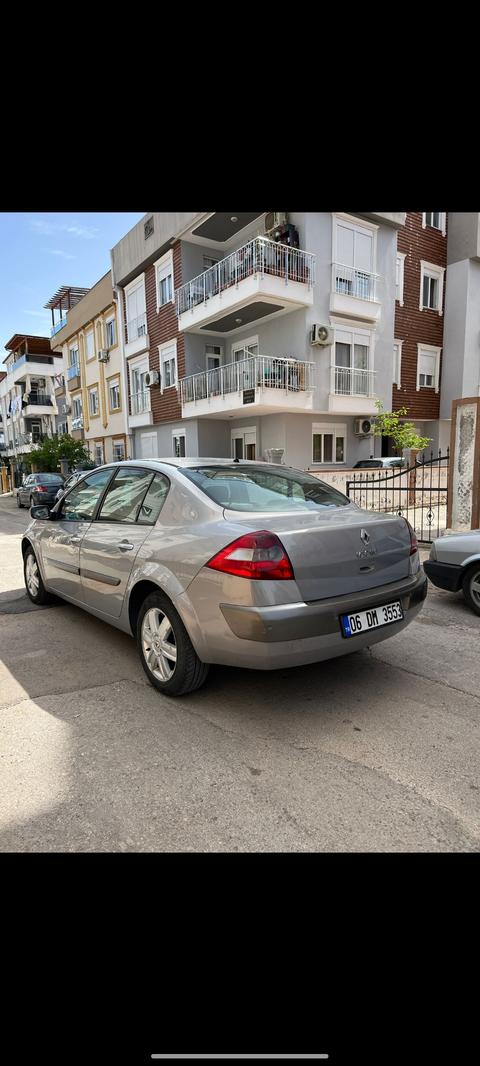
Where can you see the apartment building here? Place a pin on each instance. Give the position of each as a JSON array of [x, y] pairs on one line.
[[27, 399], [419, 323], [248, 332], [461, 355], [87, 338]]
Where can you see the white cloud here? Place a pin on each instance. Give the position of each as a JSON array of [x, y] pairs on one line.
[[48, 229], [59, 251]]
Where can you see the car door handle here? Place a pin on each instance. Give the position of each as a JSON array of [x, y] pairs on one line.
[[125, 546], [76, 540]]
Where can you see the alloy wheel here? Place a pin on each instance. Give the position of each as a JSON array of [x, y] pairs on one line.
[[475, 587], [158, 644], [32, 575]]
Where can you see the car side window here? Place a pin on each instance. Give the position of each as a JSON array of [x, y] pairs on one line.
[[125, 495], [154, 501], [80, 504]]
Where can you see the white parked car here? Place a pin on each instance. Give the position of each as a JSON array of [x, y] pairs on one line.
[[454, 565]]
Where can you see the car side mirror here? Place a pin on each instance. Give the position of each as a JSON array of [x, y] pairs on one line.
[[41, 512]]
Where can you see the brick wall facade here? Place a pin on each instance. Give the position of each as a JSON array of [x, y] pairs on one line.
[[163, 326], [413, 326]]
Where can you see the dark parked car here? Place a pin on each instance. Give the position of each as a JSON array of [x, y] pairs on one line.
[[71, 480], [39, 488], [380, 464]]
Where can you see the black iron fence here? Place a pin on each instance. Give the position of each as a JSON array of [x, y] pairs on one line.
[[418, 492]]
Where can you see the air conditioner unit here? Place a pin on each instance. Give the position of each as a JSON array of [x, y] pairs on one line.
[[321, 334], [152, 378], [274, 219], [363, 427], [103, 356]]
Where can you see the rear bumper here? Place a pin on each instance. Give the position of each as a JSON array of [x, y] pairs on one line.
[[293, 634], [444, 575]]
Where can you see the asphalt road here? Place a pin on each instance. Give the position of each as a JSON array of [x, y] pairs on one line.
[[378, 751]]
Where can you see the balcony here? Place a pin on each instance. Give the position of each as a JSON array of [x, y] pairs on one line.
[[59, 385], [140, 409], [354, 292], [28, 365], [58, 326], [137, 337], [73, 376], [39, 403], [352, 391], [259, 280], [77, 427], [259, 383]]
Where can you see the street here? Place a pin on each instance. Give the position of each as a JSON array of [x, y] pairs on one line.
[[378, 751]]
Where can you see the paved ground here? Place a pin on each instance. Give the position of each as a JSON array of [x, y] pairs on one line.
[[378, 751]]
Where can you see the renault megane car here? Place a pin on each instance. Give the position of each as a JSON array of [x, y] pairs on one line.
[[239, 563]]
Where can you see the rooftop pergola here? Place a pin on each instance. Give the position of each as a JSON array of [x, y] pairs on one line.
[[65, 298]]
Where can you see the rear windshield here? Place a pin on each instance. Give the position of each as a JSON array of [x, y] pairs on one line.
[[54, 479], [263, 489]]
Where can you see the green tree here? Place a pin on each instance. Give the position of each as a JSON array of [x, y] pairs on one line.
[[403, 434], [47, 456]]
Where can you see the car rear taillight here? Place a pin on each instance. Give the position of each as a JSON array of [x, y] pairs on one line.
[[413, 538], [41, 488], [256, 555]]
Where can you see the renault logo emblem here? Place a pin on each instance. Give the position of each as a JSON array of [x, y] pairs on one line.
[[365, 536]]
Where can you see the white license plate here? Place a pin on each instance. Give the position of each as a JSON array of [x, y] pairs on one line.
[[353, 624]]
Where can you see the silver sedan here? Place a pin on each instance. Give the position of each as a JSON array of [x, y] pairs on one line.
[[217, 561], [454, 565]]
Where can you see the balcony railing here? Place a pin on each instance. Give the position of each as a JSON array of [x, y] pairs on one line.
[[137, 327], [140, 402], [259, 256], [348, 281], [40, 399], [58, 325], [348, 381], [256, 371], [77, 423], [73, 371]]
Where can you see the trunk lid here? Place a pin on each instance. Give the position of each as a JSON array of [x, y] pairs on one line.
[[329, 554]]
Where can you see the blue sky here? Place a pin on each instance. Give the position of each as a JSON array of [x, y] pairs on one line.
[[41, 251]]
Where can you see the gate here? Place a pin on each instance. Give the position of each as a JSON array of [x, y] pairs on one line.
[[418, 493]]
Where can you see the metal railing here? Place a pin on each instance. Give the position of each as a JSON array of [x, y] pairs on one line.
[[77, 423], [137, 327], [348, 281], [39, 399], [140, 402], [418, 493], [73, 371], [259, 256], [348, 381], [254, 372]]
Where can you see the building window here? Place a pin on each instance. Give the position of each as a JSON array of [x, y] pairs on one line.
[[37, 431], [397, 363], [178, 444], [208, 262], [73, 356], [436, 219], [136, 314], [118, 450], [399, 275], [354, 257], [139, 394], [114, 394], [431, 287], [351, 373], [61, 428], [93, 401], [77, 406], [98, 453], [164, 276], [168, 364], [89, 345], [213, 355], [328, 443], [428, 367], [110, 332]]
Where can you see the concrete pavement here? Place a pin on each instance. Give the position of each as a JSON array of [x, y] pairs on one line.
[[376, 751]]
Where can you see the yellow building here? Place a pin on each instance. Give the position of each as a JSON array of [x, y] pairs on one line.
[[94, 373]]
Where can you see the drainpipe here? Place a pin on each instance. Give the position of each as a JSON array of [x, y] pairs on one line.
[[123, 363]]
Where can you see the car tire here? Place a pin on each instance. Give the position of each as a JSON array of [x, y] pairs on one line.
[[18, 500], [469, 589], [181, 668], [32, 502], [36, 591]]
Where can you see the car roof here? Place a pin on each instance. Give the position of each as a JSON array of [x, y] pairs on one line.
[[155, 464]]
